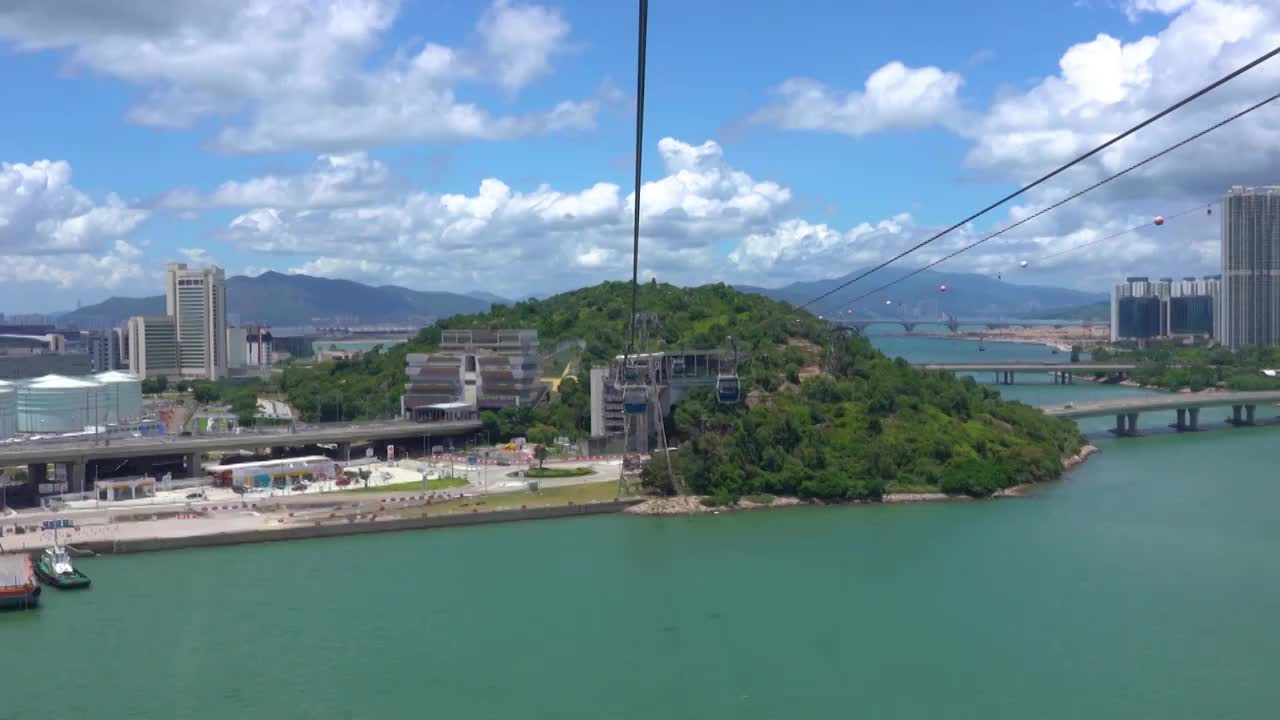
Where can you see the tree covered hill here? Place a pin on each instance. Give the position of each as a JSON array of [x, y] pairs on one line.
[[864, 424]]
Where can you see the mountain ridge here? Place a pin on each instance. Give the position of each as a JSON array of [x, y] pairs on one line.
[[280, 299], [967, 296]]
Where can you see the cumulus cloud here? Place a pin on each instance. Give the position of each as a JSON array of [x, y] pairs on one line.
[[119, 267], [289, 75], [1102, 86], [331, 181], [42, 213], [894, 97], [502, 238]]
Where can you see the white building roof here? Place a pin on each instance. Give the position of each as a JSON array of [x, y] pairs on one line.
[[115, 376], [57, 382]]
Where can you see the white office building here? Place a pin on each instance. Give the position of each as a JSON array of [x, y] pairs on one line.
[[196, 298], [152, 346]]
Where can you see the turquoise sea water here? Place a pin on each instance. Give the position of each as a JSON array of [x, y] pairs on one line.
[[1142, 586]]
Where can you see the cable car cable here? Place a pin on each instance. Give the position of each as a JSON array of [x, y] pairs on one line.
[[1062, 168], [1075, 195], [635, 221]]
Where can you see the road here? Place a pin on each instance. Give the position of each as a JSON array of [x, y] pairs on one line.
[[36, 451], [1171, 401]]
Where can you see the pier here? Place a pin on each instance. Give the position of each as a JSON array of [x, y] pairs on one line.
[[1187, 406]]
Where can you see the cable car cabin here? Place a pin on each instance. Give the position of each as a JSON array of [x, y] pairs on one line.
[[728, 389], [634, 400]]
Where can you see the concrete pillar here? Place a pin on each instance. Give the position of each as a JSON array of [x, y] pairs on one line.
[[192, 461], [38, 473], [1133, 423], [1249, 411], [75, 476], [1071, 378], [1235, 415], [344, 451], [1056, 379], [1119, 430], [1182, 420], [1194, 417]]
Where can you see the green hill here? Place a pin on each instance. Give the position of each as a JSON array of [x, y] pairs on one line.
[[865, 424]]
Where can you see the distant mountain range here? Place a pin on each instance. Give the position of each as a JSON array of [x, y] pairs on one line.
[[967, 296], [284, 300]]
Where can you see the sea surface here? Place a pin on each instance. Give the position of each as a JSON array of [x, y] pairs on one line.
[[1144, 585]]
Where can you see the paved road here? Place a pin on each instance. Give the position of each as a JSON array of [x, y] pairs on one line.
[[1171, 401], [22, 453]]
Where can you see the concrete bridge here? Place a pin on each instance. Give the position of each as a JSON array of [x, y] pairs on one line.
[[1187, 405], [950, 323], [1063, 373], [76, 455]]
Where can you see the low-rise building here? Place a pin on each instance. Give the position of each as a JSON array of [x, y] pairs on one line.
[[487, 369]]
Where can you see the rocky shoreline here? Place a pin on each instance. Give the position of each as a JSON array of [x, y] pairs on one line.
[[692, 504]]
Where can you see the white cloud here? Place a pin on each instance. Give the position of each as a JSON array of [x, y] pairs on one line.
[[894, 97], [121, 266], [331, 181], [299, 74], [521, 39], [41, 212], [504, 239]]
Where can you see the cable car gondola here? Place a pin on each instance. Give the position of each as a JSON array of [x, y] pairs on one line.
[[728, 386]]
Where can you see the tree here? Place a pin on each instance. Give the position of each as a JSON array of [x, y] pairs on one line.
[[541, 434], [541, 453], [365, 474], [205, 392]]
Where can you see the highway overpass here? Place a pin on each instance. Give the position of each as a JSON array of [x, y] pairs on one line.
[[1187, 406], [1063, 372], [76, 454]]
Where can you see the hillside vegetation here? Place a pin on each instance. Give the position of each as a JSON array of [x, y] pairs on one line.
[[1200, 368], [848, 433]]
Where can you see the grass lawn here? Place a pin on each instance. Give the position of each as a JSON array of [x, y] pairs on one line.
[[558, 472], [434, 484], [577, 494]]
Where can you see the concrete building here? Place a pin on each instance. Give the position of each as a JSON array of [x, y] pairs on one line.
[[259, 347], [153, 346], [1250, 310], [30, 365], [1143, 309], [59, 404], [8, 410], [196, 298], [104, 350], [676, 372], [237, 347], [433, 379], [122, 347], [1137, 308]]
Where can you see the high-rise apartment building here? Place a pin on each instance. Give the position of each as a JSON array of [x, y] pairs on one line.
[[1249, 313], [153, 346], [1142, 308], [196, 298]]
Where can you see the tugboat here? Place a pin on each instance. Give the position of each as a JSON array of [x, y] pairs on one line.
[[55, 568]]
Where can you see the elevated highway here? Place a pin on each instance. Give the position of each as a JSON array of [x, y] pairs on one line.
[[1187, 406], [36, 454], [1063, 372]]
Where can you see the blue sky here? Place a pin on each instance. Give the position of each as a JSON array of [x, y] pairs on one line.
[[351, 138]]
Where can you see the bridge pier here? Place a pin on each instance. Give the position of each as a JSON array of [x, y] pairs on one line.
[[38, 473], [1133, 423], [1249, 411], [1193, 416], [1236, 419], [1181, 424], [192, 463], [75, 476]]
